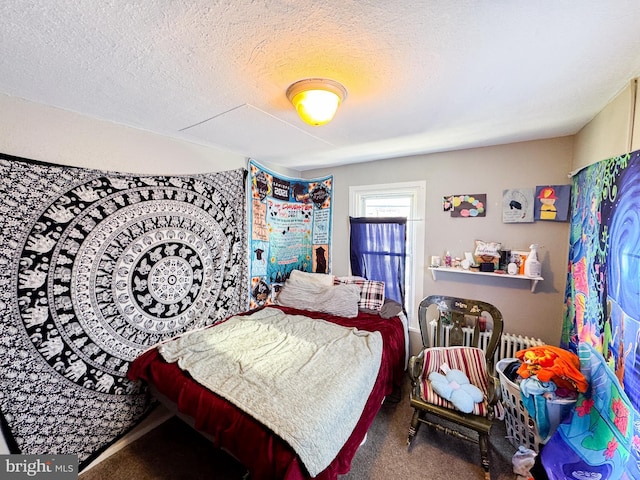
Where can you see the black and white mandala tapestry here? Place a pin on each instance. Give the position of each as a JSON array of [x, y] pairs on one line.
[[95, 267]]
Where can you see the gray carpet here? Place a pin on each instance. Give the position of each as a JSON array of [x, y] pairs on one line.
[[174, 451]]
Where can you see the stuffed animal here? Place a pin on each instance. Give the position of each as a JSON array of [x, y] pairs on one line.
[[523, 461], [454, 386]]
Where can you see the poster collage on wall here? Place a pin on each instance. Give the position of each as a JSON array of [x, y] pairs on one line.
[[290, 229]]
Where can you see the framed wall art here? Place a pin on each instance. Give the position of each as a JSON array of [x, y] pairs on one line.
[[517, 205], [467, 205], [552, 203]]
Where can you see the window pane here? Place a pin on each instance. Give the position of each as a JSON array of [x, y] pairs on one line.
[[398, 200], [387, 206]]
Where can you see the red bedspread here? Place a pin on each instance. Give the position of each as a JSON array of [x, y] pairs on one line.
[[262, 452]]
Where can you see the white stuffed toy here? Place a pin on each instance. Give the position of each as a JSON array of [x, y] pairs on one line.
[[454, 386], [523, 461]]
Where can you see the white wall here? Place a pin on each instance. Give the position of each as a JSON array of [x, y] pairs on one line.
[[635, 116], [49, 134], [487, 170], [611, 132]]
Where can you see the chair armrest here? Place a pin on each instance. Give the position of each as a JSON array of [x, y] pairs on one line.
[[493, 390], [494, 394], [416, 365]]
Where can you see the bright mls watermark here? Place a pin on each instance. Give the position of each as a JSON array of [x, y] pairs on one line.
[[45, 467]]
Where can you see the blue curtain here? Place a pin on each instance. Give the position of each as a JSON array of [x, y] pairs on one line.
[[379, 252]]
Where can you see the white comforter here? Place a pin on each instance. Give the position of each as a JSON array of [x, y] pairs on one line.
[[308, 380]]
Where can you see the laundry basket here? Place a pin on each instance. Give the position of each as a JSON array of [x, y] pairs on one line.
[[521, 428]]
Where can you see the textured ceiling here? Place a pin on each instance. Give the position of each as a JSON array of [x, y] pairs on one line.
[[422, 76]]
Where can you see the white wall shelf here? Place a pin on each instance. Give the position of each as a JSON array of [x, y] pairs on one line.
[[449, 270]]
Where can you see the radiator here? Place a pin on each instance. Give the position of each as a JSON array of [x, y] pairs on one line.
[[509, 344]]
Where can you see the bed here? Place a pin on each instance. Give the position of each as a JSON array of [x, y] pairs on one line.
[[244, 423]]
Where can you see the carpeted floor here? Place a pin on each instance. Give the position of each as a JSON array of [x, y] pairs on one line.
[[174, 451]]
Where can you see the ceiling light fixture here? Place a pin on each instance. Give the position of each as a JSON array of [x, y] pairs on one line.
[[316, 99]]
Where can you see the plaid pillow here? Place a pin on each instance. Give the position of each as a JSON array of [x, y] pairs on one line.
[[371, 292]]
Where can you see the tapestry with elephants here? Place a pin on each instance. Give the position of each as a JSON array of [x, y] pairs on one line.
[[96, 267]]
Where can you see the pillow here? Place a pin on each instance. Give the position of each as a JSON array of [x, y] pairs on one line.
[[315, 278], [371, 292], [341, 300], [347, 278], [470, 360], [455, 387], [389, 309]]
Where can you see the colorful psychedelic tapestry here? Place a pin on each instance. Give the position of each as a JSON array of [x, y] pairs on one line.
[[95, 268], [603, 286], [290, 229]]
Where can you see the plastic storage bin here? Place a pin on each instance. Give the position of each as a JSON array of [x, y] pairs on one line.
[[521, 428]]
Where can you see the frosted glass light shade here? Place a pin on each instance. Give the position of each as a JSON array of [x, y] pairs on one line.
[[316, 100]]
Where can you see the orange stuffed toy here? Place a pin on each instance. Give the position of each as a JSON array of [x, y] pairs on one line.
[[555, 364]]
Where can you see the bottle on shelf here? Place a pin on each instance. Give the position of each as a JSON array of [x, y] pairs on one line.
[[532, 267], [447, 259]]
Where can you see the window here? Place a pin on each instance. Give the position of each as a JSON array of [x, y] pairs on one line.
[[399, 200]]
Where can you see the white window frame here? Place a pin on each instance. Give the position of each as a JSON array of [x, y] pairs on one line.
[[415, 265]]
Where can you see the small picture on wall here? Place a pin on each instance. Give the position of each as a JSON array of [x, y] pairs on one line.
[[468, 205], [552, 202], [517, 205]]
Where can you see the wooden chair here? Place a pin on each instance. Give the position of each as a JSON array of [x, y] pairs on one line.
[[451, 315]]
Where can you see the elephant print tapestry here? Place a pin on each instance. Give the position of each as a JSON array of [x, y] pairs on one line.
[[95, 268]]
